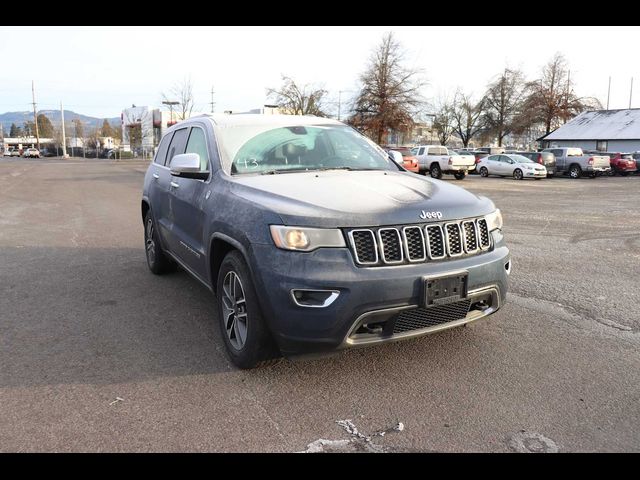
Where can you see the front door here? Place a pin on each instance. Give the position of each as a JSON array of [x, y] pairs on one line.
[[188, 199]]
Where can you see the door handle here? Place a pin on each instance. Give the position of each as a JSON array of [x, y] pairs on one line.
[[156, 176], [174, 185]]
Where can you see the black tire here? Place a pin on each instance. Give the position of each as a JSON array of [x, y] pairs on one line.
[[517, 174], [624, 174], [257, 348], [484, 172], [550, 175], [460, 175], [157, 260], [575, 171], [435, 171]]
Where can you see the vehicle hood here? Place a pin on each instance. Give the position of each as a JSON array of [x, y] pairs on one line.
[[358, 198]]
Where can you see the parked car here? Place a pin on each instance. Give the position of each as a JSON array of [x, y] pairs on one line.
[[512, 165], [7, 152], [575, 163], [31, 153], [436, 160], [547, 159], [409, 161], [15, 152], [311, 250], [491, 150], [621, 163], [636, 157]]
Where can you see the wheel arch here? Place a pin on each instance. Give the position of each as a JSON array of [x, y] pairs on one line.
[[219, 245]]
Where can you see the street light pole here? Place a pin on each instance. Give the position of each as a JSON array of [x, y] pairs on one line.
[[171, 104], [64, 140]]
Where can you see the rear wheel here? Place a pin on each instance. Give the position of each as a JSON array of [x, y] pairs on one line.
[[575, 171], [435, 171], [460, 175], [517, 174], [624, 174], [157, 260], [484, 172], [248, 341]]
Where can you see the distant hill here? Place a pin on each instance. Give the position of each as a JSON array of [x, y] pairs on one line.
[[19, 118]]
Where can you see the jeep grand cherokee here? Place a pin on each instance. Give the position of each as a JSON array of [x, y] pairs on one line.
[[313, 239]]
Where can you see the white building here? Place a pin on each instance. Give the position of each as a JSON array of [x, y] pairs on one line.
[[603, 130]]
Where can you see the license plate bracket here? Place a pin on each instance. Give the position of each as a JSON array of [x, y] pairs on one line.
[[445, 289]]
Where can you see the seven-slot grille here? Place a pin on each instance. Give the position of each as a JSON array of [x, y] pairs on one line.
[[419, 243]]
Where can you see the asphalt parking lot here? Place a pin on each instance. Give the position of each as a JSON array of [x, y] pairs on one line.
[[98, 354]]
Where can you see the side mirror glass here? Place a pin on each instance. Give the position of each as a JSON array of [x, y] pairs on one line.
[[187, 165], [396, 157]]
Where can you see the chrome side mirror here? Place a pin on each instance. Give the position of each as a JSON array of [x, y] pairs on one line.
[[187, 165]]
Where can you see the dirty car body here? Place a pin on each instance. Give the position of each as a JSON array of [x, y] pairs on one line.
[[330, 244]]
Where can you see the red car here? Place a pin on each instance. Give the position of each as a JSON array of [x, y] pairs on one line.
[[622, 163], [410, 162]]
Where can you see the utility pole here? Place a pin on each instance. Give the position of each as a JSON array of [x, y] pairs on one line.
[[171, 104], [608, 92], [339, 102], [64, 138], [35, 116], [630, 92], [212, 103]]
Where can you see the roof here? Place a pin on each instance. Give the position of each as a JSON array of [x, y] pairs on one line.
[[600, 125], [227, 120]]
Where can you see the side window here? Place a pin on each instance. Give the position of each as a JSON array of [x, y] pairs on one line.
[[557, 153], [493, 158], [177, 144], [421, 152], [198, 144], [431, 151], [161, 154]]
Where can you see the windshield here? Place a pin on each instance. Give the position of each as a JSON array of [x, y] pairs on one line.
[[255, 149], [521, 159]]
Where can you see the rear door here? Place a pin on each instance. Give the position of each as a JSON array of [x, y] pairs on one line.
[[561, 160], [188, 197], [492, 162], [176, 147], [159, 187]]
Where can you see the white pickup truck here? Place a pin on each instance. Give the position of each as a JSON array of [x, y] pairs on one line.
[[574, 162], [437, 160]]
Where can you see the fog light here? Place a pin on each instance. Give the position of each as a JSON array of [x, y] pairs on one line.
[[314, 298]]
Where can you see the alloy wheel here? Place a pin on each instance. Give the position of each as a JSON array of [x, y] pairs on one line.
[[150, 243], [234, 310]]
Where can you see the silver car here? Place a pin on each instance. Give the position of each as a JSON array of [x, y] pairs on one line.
[[512, 165]]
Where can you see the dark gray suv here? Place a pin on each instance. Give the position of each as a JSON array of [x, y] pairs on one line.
[[313, 239]]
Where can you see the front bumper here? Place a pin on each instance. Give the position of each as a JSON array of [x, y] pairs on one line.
[[535, 173], [363, 292]]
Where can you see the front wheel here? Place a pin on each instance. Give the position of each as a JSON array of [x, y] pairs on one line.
[[246, 337], [435, 171], [517, 174], [624, 174], [484, 172], [460, 175]]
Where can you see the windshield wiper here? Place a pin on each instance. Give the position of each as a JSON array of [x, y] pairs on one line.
[[285, 170]]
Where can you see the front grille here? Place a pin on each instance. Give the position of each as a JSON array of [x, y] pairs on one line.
[[454, 242], [379, 246], [390, 245], [483, 234], [470, 237], [417, 318], [414, 240], [364, 246]]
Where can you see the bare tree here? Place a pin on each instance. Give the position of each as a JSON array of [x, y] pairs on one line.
[[444, 119], [389, 95], [467, 116], [552, 100], [295, 99], [504, 102], [181, 92]]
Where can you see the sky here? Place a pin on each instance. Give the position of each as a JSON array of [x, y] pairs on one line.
[[98, 71]]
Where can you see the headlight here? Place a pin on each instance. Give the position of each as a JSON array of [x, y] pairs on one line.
[[494, 220], [305, 239]]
